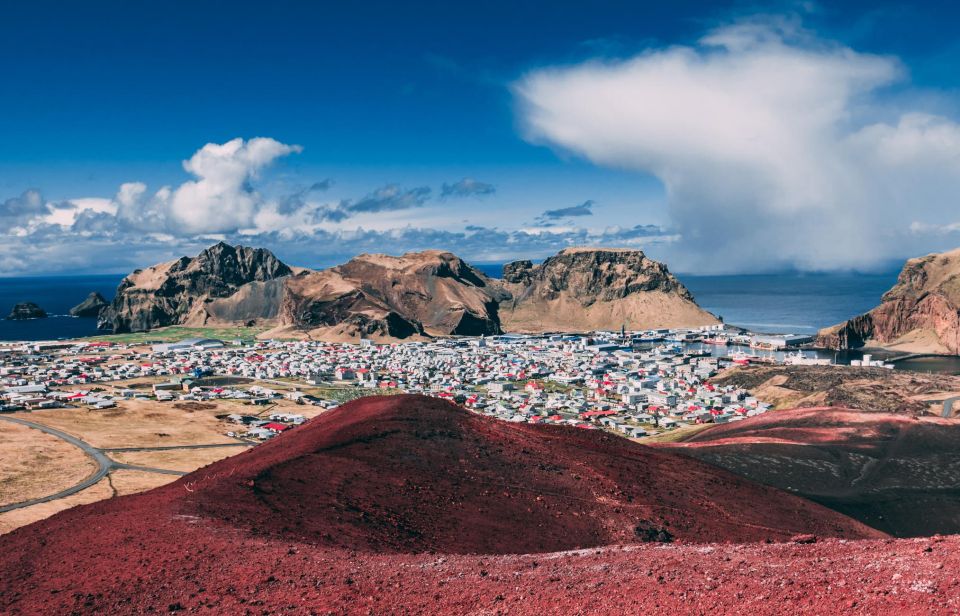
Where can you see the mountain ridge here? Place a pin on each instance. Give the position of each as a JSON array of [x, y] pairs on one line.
[[586, 288], [412, 296]]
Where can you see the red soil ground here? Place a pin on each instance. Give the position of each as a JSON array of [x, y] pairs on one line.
[[412, 505], [897, 473]]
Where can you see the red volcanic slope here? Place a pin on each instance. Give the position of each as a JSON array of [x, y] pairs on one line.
[[410, 504], [414, 473]]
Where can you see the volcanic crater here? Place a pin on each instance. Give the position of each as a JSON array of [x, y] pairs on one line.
[[415, 474], [410, 504]]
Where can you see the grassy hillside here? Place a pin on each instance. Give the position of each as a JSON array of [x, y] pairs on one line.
[[177, 333]]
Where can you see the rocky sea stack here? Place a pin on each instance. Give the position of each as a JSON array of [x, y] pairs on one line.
[[90, 307], [26, 310], [920, 314]]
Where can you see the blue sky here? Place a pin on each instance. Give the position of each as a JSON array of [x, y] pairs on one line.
[[386, 99]]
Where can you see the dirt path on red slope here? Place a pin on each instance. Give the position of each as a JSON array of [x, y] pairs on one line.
[[872, 469], [902, 479]]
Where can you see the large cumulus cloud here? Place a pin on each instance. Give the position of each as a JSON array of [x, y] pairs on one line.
[[220, 198], [775, 148]]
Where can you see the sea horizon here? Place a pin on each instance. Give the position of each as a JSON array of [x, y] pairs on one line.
[[799, 302]]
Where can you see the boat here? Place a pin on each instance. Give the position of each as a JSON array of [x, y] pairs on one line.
[[719, 341], [800, 359]]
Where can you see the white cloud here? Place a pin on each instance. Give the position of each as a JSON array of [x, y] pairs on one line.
[[138, 226], [220, 199], [66, 213], [775, 148]]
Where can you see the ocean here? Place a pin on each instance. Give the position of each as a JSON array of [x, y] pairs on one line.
[[782, 303], [57, 295], [795, 303]]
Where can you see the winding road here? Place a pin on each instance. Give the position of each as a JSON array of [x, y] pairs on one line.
[[104, 463], [175, 447]]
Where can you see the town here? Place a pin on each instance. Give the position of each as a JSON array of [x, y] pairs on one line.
[[636, 385]]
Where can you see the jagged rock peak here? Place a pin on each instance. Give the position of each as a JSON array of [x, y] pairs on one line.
[[172, 293], [90, 307], [235, 264], [581, 289]]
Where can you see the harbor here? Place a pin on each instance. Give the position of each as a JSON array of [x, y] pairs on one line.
[[746, 347]]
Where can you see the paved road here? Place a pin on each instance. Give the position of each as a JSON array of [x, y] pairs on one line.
[[948, 406], [147, 469], [171, 447], [104, 465]]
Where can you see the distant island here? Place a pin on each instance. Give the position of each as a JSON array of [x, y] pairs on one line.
[[26, 310], [90, 307]]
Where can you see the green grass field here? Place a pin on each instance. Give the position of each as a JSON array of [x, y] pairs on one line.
[[550, 387], [676, 436], [177, 333], [346, 394]]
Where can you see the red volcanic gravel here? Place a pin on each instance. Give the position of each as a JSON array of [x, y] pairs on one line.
[[411, 473], [412, 505]]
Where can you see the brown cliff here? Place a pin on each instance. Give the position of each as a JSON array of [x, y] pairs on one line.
[[920, 314], [424, 294], [583, 289], [430, 293], [178, 292]]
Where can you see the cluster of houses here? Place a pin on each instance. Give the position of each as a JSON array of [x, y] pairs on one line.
[[635, 393], [263, 429], [34, 396], [603, 380]]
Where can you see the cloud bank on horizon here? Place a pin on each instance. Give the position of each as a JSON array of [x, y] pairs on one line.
[[138, 226], [776, 149]]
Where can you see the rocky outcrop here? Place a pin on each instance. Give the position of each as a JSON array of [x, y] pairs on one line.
[[583, 289], [26, 310], [921, 313], [430, 293], [177, 292], [518, 271], [90, 307]]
